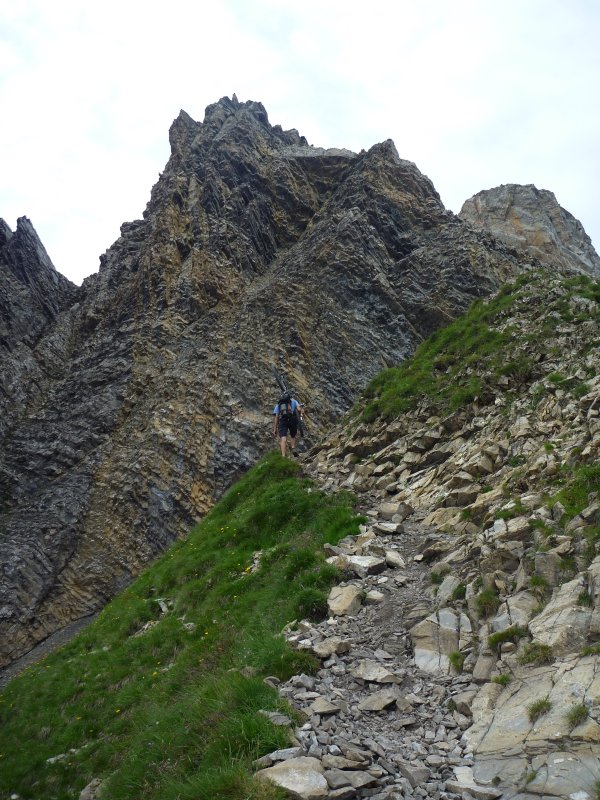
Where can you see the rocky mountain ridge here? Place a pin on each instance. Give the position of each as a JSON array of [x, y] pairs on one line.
[[477, 677], [458, 657], [150, 389], [153, 389]]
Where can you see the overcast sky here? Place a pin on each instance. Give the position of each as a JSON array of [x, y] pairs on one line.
[[476, 93]]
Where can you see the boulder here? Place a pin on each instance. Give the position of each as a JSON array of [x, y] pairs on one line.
[[366, 565], [302, 777], [563, 624], [377, 701], [372, 671], [344, 600], [440, 634]]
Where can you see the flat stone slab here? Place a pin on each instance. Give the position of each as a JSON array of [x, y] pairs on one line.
[[302, 777], [331, 645], [337, 778], [379, 700], [366, 565], [372, 671], [322, 706]]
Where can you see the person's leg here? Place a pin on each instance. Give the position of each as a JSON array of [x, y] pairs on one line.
[[293, 428], [282, 442]]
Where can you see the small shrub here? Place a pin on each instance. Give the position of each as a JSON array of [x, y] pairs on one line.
[[539, 586], [584, 599], [536, 653], [512, 634], [538, 708], [459, 592], [312, 605], [591, 650], [503, 679], [487, 602], [438, 573], [457, 659], [576, 715]]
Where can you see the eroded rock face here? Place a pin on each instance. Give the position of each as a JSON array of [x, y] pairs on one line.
[[530, 218], [153, 391]]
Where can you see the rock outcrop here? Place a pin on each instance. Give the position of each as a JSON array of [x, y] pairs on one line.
[[530, 218], [144, 399], [494, 508]]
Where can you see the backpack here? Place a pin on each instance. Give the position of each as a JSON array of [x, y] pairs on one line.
[[284, 407]]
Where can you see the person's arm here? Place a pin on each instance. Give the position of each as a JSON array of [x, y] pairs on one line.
[[275, 420]]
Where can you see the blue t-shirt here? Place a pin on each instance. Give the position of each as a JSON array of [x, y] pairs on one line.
[[295, 405]]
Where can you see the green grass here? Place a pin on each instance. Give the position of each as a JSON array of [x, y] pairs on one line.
[[576, 715], [457, 659], [487, 602], [160, 714], [503, 679], [512, 634], [574, 495], [536, 653], [437, 369], [536, 709], [459, 592]]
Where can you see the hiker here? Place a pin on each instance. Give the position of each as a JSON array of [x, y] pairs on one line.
[[286, 414]]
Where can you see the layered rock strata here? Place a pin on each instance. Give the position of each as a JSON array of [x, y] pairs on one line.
[[156, 385]]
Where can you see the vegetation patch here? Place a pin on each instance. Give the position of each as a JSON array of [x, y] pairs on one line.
[[503, 679], [168, 713], [576, 715], [538, 708], [457, 659], [536, 653], [512, 634], [440, 370], [487, 602]]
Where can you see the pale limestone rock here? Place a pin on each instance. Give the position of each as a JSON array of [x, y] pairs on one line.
[[563, 624], [366, 565], [566, 773], [394, 559], [377, 701], [323, 706], [337, 778], [92, 791], [484, 667], [515, 610], [388, 528], [303, 777], [344, 600], [374, 596], [446, 588], [374, 672], [331, 645], [548, 566], [464, 782], [440, 634]]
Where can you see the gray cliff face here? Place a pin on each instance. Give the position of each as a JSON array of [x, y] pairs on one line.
[[530, 218], [153, 384], [33, 296]]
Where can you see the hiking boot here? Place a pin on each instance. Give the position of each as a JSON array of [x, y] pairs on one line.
[[295, 453]]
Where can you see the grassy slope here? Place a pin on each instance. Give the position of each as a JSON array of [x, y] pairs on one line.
[[449, 369], [159, 712]]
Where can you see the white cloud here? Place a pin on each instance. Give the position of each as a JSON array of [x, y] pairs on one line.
[[475, 93]]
